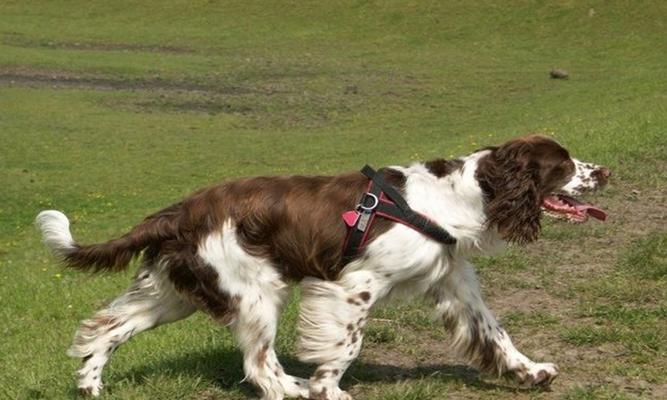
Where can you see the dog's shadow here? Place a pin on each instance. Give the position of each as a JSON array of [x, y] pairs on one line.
[[224, 367]]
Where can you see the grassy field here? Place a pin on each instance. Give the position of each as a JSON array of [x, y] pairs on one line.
[[112, 110]]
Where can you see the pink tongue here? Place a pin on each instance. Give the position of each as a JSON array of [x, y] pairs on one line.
[[593, 211], [589, 209]]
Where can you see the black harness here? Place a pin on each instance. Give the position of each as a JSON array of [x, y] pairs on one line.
[[383, 200]]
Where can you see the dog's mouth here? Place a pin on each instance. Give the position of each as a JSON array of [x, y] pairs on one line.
[[572, 209]]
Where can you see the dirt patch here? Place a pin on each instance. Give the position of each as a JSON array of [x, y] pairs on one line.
[[212, 107], [68, 80], [19, 40]]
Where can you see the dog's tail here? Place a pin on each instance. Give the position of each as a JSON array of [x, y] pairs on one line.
[[113, 255]]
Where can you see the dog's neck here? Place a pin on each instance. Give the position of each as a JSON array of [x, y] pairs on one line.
[[454, 200]]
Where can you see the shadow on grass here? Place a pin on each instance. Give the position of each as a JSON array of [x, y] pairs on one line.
[[224, 368]]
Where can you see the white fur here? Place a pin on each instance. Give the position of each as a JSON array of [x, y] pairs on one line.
[[150, 301], [583, 178], [261, 292], [55, 232], [332, 317]]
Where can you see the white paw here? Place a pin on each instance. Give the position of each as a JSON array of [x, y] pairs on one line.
[[295, 387], [328, 393], [536, 374], [90, 390], [90, 381]]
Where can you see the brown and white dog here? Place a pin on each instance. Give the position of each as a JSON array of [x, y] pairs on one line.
[[229, 250]]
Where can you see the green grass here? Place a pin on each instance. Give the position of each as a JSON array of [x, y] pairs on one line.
[[595, 393], [172, 97], [629, 309], [647, 258]]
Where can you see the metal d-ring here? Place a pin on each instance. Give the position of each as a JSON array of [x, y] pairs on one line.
[[376, 201]]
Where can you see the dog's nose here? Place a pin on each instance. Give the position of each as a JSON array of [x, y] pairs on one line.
[[601, 174]]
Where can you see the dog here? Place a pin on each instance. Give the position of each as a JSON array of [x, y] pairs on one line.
[[231, 249]]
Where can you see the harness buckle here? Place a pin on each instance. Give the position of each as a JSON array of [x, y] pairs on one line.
[[362, 207], [368, 203]]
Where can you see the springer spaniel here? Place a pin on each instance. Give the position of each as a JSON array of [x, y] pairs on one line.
[[229, 250]]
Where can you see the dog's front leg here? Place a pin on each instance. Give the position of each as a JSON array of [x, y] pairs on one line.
[[477, 335], [332, 317]]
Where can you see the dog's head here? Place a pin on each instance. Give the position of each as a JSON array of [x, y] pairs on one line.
[[533, 173]]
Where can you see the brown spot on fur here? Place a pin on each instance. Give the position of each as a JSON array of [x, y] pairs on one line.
[[342, 342], [197, 280], [104, 319], [320, 374], [261, 355], [319, 396], [440, 167], [481, 349], [350, 327], [365, 296], [501, 332], [450, 321], [87, 391], [520, 374]]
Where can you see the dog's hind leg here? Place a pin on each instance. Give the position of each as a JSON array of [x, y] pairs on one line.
[[256, 291], [150, 301], [255, 329]]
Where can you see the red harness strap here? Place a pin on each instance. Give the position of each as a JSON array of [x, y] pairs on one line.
[[383, 200]]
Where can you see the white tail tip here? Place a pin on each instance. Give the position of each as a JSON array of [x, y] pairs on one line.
[[55, 231]]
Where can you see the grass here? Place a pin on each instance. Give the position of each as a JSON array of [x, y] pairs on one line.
[[111, 110], [647, 258], [629, 309]]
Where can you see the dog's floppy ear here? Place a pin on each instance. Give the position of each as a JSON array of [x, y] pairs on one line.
[[509, 179]]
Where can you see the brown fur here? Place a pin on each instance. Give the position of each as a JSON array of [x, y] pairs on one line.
[[441, 167], [274, 217], [114, 255], [515, 178], [293, 221]]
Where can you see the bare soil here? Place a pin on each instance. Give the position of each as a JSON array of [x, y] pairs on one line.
[[15, 39], [57, 79]]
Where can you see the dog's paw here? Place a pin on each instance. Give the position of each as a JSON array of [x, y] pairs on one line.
[[329, 394], [536, 375], [296, 387], [92, 390]]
